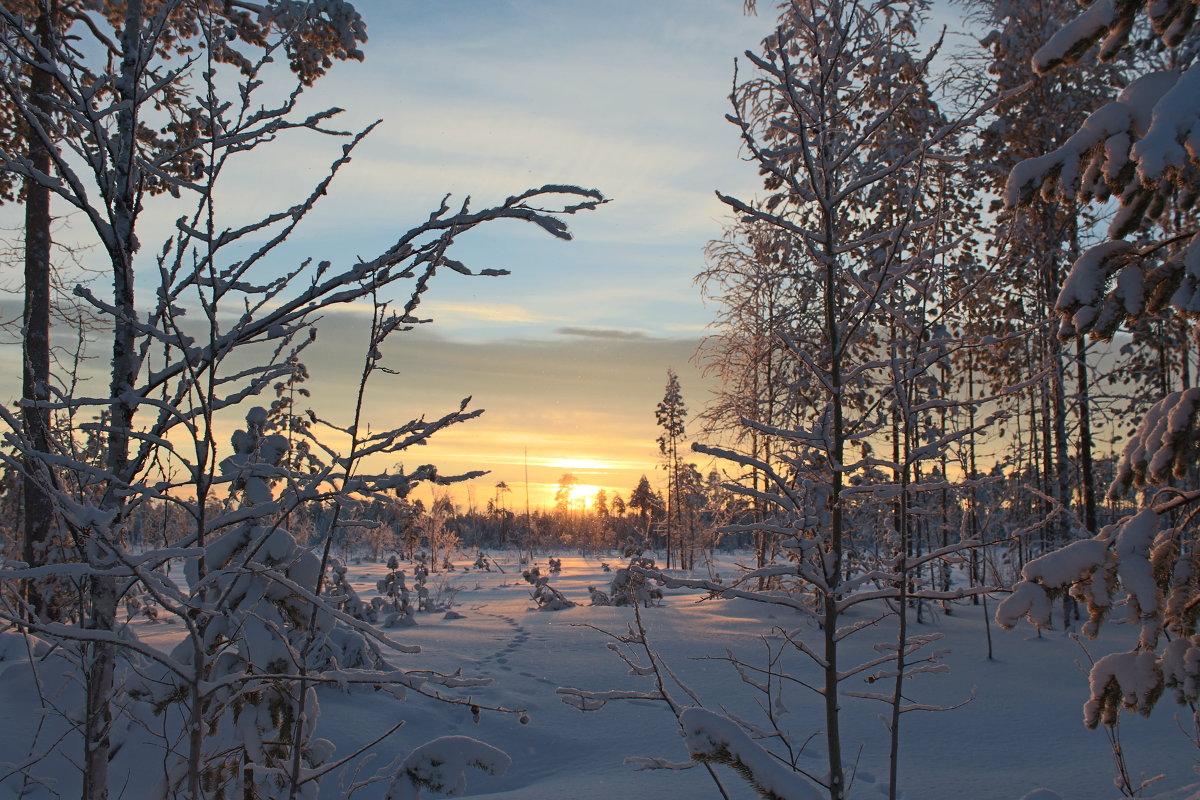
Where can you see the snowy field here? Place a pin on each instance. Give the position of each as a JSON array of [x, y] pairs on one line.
[[1020, 731]]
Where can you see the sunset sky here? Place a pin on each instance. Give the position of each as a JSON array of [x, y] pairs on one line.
[[487, 98], [569, 354]]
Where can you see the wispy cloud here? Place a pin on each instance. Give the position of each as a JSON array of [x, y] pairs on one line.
[[602, 333], [489, 312]]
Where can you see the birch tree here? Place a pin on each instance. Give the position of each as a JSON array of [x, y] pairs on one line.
[[317, 36]]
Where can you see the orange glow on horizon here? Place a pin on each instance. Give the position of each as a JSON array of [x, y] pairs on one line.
[[583, 464]]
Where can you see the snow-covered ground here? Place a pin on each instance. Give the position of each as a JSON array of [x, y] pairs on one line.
[[1021, 730]]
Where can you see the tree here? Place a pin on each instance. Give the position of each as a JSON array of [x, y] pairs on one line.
[[671, 415], [840, 120], [646, 502], [618, 505], [31, 120], [760, 290], [1137, 149], [1031, 248], [440, 535], [171, 380], [562, 495], [502, 490], [602, 503]]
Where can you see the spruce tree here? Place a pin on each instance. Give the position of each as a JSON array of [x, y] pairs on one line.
[[671, 415]]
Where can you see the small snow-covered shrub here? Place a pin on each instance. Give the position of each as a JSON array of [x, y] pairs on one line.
[[440, 766], [546, 596], [630, 586], [347, 597]]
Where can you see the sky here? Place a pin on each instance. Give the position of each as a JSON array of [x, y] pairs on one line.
[[487, 98], [568, 355]]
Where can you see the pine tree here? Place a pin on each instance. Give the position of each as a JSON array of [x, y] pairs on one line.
[[646, 502]]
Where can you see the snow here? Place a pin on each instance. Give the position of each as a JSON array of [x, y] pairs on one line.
[[1021, 732], [441, 766], [1181, 668], [1173, 138], [716, 738], [1128, 679], [1102, 133], [1163, 445], [1076, 35], [1132, 550]]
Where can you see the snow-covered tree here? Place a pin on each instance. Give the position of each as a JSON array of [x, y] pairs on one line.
[[317, 37], [839, 117], [647, 503], [440, 534], [758, 291], [671, 416], [180, 369], [1029, 250]]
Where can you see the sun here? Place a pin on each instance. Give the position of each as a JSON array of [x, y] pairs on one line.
[[584, 494]]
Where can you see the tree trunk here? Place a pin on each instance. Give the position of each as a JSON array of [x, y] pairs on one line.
[[833, 569], [39, 506], [1062, 463]]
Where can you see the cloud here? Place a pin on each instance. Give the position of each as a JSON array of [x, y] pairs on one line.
[[683, 327], [602, 333], [489, 312]]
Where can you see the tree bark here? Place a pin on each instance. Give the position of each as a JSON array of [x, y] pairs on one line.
[[35, 390]]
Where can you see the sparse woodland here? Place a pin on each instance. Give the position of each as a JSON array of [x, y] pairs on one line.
[[954, 335]]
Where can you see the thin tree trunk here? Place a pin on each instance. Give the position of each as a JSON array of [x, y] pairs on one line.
[[104, 597], [1086, 465], [833, 570], [1062, 463], [901, 639], [972, 474]]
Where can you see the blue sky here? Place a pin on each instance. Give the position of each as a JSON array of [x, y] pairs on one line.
[[488, 98]]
